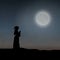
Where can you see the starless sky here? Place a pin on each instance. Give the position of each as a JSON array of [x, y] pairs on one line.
[[22, 13]]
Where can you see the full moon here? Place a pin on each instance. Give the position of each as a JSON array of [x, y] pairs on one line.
[[43, 19]]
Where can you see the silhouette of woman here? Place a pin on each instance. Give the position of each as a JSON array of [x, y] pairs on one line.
[[16, 38]]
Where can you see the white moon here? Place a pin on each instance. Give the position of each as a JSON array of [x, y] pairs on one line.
[[42, 19]]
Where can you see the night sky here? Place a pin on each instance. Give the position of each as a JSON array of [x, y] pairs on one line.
[[22, 13]]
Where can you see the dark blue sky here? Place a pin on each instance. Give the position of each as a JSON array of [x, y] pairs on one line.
[[22, 13]]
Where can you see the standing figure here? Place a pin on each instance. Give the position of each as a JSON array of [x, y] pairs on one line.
[[16, 37]]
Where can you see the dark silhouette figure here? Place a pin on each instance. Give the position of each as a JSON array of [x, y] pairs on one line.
[[16, 37]]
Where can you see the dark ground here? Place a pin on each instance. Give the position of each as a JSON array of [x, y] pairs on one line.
[[29, 52]]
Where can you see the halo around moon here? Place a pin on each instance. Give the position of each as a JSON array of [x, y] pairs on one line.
[[42, 19]]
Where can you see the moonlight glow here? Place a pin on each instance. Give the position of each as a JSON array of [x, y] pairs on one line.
[[43, 19]]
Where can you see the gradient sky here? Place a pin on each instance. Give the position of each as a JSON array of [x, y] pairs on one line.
[[22, 13]]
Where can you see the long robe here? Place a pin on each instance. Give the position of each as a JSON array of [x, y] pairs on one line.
[[16, 40]]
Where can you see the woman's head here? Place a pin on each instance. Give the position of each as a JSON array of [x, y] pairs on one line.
[[16, 27]]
